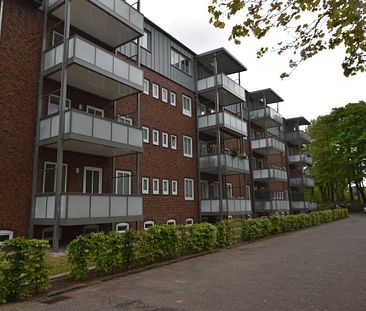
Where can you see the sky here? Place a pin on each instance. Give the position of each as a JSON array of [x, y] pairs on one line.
[[314, 88]]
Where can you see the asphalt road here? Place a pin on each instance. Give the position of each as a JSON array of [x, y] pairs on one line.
[[322, 268]]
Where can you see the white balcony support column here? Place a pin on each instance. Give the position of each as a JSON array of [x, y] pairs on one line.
[[60, 141], [39, 115], [218, 136]]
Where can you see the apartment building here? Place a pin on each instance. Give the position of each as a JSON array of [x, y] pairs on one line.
[[110, 123]]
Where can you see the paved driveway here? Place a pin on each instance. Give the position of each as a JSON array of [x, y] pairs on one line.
[[322, 268]]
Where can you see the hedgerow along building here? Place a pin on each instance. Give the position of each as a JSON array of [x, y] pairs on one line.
[[110, 123]]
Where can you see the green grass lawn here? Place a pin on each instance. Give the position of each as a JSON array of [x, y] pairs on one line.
[[58, 265]]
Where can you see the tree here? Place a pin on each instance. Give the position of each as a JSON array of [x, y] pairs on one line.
[[338, 149], [312, 26]]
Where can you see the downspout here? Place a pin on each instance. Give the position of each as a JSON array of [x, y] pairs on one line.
[[1, 14], [39, 115]]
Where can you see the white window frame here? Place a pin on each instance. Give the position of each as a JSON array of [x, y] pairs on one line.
[[165, 140], [145, 190], [155, 141], [164, 94], [8, 233], [174, 187], [95, 109], [173, 99], [54, 33], [129, 173], [147, 131], [171, 222], [187, 112], [188, 155], [125, 120], [247, 190], [156, 181], [155, 90], [186, 181], [147, 88], [90, 168], [189, 221], [44, 175], [173, 142], [149, 223], [68, 104], [126, 224], [165, 183], [93, 228], [229, 190]]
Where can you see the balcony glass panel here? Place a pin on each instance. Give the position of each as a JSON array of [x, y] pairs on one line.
[[268, 143], [266, 113], [228, 162], [226, 120]]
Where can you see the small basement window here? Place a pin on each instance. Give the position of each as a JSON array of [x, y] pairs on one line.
[[172, 222], [148, 224], [6, 235], [122, 227]]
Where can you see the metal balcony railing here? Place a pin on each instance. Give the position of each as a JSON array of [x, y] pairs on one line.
[[300, 158], [273, 116], [298, 137], [233, 206], [265, 143], [228, 163], [304, 181], [270, 174]]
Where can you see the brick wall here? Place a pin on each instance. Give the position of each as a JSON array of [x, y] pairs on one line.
[[20, 48]]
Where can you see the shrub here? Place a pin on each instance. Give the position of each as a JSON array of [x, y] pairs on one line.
[[201, 237], [23, 268], [225, 233], [78, 256]]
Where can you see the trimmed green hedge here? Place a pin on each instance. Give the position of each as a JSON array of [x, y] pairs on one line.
[[23, 268]]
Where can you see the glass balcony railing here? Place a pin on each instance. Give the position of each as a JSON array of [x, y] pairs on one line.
[[260, 115], [230, 92], [300, 158], [98, 17], [265, 143], [304, 205], [226, 120], [302, 182], [227, 162], [233, 206], [84, 208], [272, 206], [299, 137], [270, 174], [91, 132], [94, 70]]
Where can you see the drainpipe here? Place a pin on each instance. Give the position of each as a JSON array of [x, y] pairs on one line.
[[60, 139], [39, 115], [218, 136], [1, 14]]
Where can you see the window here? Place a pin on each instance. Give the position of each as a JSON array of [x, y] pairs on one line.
[[122, 227], [164, 95], [155, 186], [247, 190], [229, 190], [90, 229], [171, 222], [174, 187], [173, 142], [57, 38], [180, 61], [204, 189], [145, 41], [95, 111], [146, 87], [155, 91], [92, 180], [165, 186], [189, 221], [201, 110], [230, 217], [156, 137], [54, 102], [165, 140], [47, 233], [148, 224], [125, 120], [123, 182], [145, 185], [187, 146], [216, 189], [145, 134], [173, 99], [5, 235], [49, 177], [187, 106], [188, 189]]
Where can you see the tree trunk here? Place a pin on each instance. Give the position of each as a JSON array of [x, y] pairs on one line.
[[351, 197]]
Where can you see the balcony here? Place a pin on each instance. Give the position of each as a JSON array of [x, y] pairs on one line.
[[304, 181], [262, 146], [303, 205], [84, 209], [230, 92], [233, 206], [229, 164], [227, 121], [266, 117], [94, 70], [298, 138], [274, 174], [86, 133], [272, 206], [113, 22], [300, 159]]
